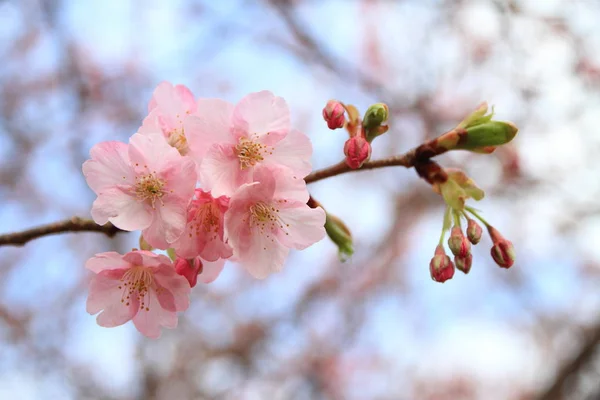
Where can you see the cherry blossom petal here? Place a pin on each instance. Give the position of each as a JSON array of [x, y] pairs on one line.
[[108, 167], [106, 261], [293, 151], [180, 180], [186, 98], [220, 171], [211, 125], [176, 284], [167, 226], [264, 256], [304, 226], [122, 209], [104, 290], [150, 153], [211, 270], [149, 321], [262, 113]]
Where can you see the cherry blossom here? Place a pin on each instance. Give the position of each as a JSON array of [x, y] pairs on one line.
[[168, 110], [268, 217], [204, 231], [146, 185], [229, 142], [139, 286]]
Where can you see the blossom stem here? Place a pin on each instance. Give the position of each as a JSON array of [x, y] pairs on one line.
[[444, 226], [476, 215]]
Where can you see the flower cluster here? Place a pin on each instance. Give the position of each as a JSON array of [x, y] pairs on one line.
[[207, 181]]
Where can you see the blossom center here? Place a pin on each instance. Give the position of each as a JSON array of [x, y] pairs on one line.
[[176, 138], [250, 152], [265, 217], [149, 187], [136, 282], [207, 220]]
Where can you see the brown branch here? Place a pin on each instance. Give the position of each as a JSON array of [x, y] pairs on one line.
[[74, 224]]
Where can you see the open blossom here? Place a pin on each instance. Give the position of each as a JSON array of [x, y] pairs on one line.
[[231, 142], [204, 231], [146, 185], [168, 110], [268, 217], [139, 286], [197, 268]]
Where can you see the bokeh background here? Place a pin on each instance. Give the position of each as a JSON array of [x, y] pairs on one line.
[[74, 73]]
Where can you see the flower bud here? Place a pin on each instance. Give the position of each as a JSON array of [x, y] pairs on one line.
[[441, 267], [189, 270], [375, 115], [474, 231], [339, 234], [479, 133], [503, 251], [357, 151], [333, 114], [458, 243], [464, 263]]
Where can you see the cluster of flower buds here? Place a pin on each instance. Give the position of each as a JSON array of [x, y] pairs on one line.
[[357, 148], [206, 181], [456, 190]]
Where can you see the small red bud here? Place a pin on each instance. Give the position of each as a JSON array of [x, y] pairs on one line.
[[441, 267], [474, 231], [503, 251], [458, 243], [464, 263], [189, 271], [357, 151], [333, 114]]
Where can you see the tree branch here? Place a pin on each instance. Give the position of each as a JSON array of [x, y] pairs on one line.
[[74, 224]]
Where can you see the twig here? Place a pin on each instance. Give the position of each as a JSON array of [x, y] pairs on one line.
[[74, 224]]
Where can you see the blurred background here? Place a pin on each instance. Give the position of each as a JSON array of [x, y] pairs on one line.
[[74, 73]]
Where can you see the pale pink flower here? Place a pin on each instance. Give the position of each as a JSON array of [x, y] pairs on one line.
[[268, 217], [230, 142], [146, 185], [203, 234], [168, 110], [197, 268], [139, 286]]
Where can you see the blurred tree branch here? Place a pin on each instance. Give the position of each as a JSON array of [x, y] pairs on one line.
[[74, 224]]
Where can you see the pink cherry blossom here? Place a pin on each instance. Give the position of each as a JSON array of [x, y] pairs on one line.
[[197, 268], [203, 234], [268, 217], [168, 110], [139, 286], [145, 185], [229, 142]]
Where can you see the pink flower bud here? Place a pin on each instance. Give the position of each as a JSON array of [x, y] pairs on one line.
[[458, 243], [464, 263], [357, 151], [189, 271], [474, 231], [503, 251], [333, 114], [441, 267]]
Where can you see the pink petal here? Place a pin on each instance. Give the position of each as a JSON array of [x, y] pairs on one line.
[[262, 113], [211, 270], [215, 249], [176, 284], [210, 125], [106, 261], [151, 153], [220, 171], [293, 151], [186, 98], [165, 98], [146, 258], [148, 322], [180, 178], [108, 167], [304, 226], [104, 290], [122, 209], [264, 256], [168, 225]]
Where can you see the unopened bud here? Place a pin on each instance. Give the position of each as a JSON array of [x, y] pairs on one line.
[[440, 266], [503, 251], [189, 270], [357, 151], [333, 114], [339, 234], [474, 231], [458, 243], [464, 263], [479, 133], [375, 115]]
